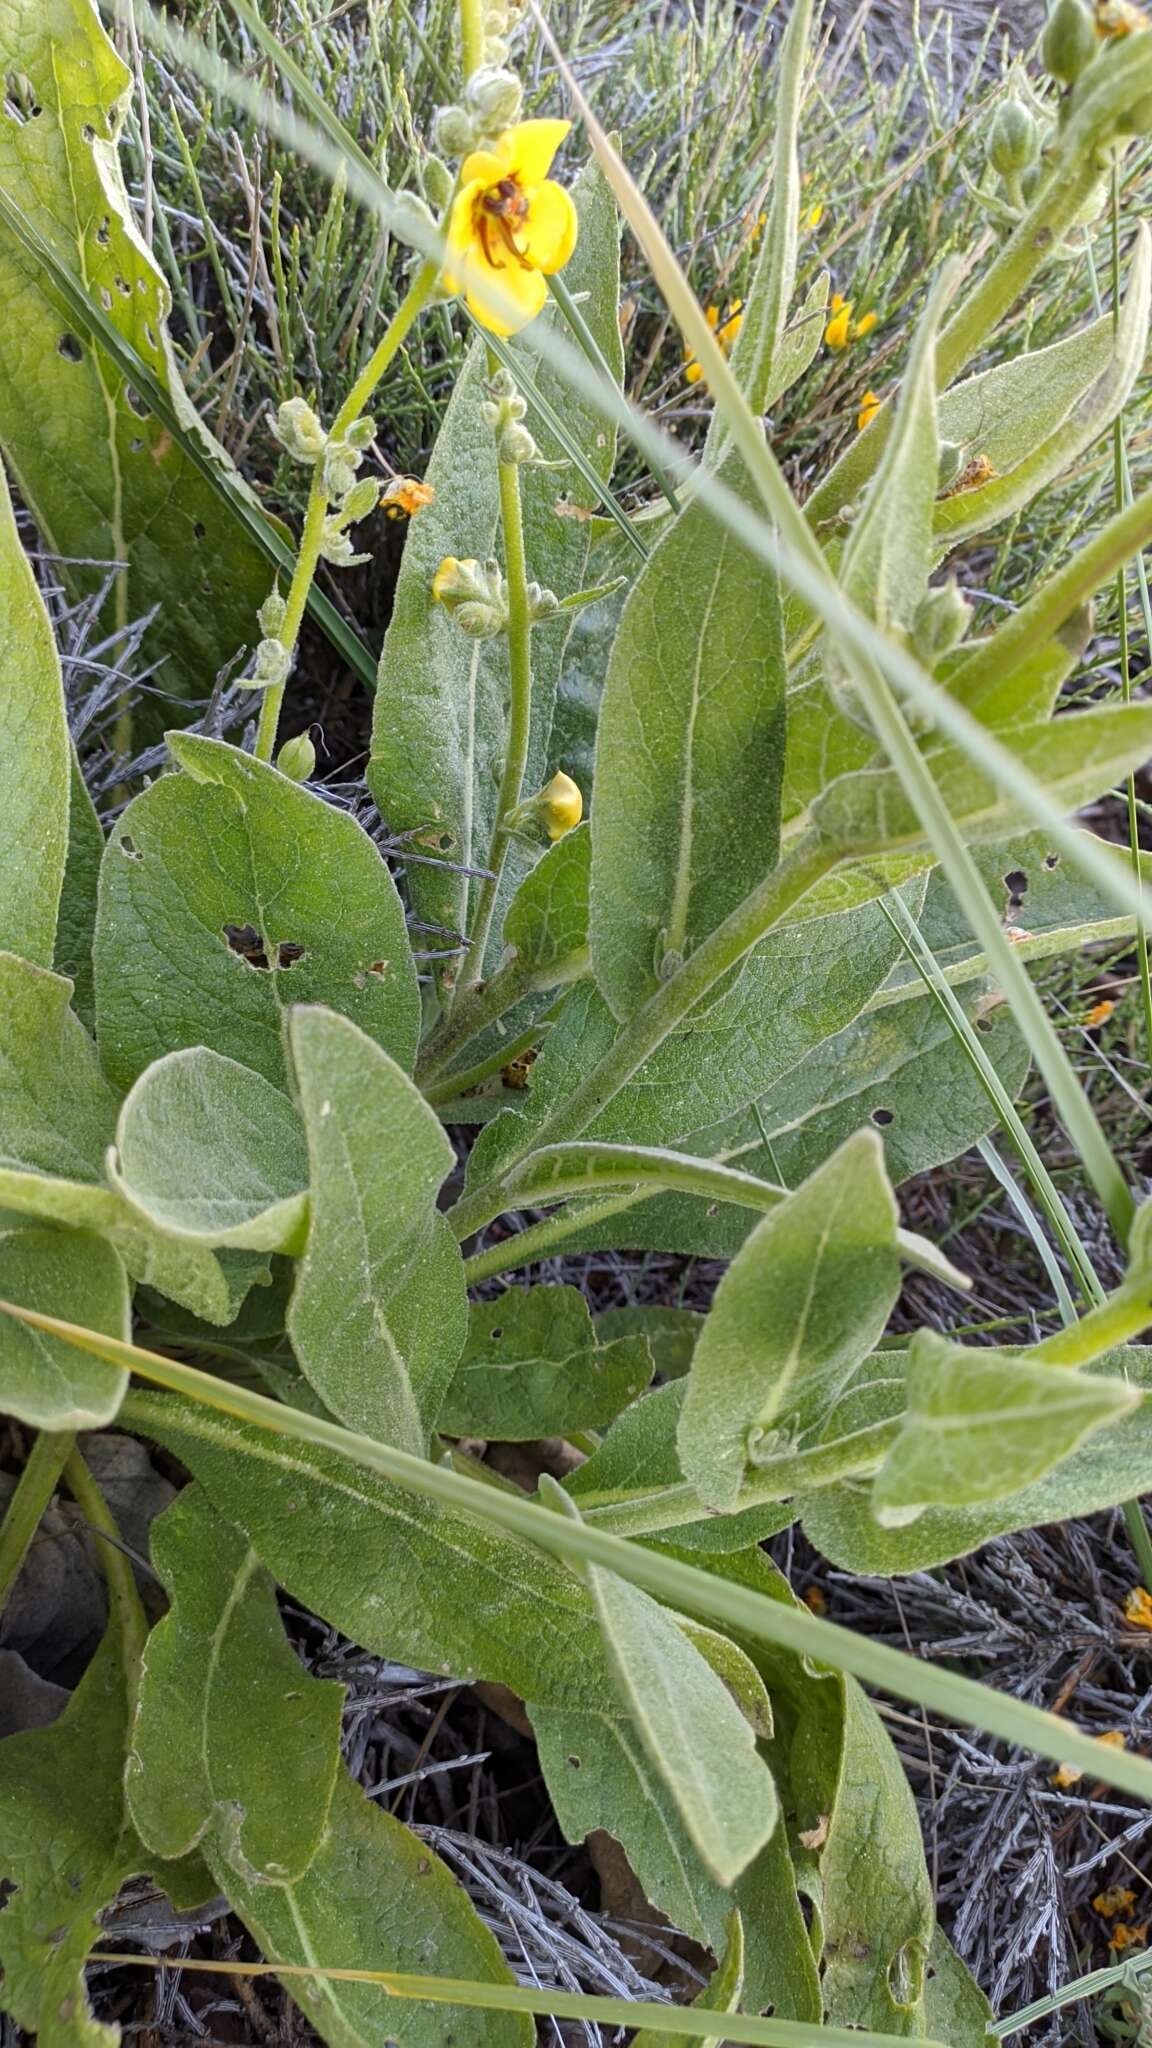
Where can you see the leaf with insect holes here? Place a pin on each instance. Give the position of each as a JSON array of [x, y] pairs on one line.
[[689, 753], [380, 1309], [228, 894], [441, 709], [66, 1843], [232, 1738], [44, 1380], [208, 1150], [76, 924], [1075, 758], [982, 1424], [377, 1897], [104, 479], [532, 1366], [1113, 1464], [35, 758], [694, 1733], [806, 1299]]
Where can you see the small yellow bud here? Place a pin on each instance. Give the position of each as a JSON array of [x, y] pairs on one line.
[[870, 405], [864, 325], [839, 328], [563, 805]]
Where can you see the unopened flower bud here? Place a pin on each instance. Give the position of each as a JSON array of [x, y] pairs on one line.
[[941, 621], [273, 665], [361, 433], [297, 758], [438, 182], [454, 132], [1013, 139], [335, 546], [1068, 44], [475, 595], [271, 614], [299, 431], [516, 445], [340, 466], [542, 604], [412, 220], [553, 811], [493, 97]]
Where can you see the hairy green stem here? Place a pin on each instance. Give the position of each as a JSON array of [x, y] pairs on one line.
[[465, 1079], [471, 36], [308, 557], [811, 860], [519, 711], [1115, 1321], [776, 1479], [541, 1240], [37, 1483], [124, 1609], [1117, 1974]]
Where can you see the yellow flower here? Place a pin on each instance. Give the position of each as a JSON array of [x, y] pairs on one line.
[[1065, 1776], [563, 805], [1138, 1605], [1119, 18], [869, 407], [864, 325], [1114, 1738], [812, 218], [511, 226], [725, 334], [838, 331], [1123, 1936], [1117, 1899], [447, 580], [405, 494]]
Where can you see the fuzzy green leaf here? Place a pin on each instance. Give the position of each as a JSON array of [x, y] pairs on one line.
[[104, 478], [441, 706], [1113, 1464], [229, 893], [44, 1380], [376, 1897], [76, 924], [694, 1733], [57, 1111], [689, 753], [982, 1424], [379, 1314], [885, 565], [232, 1738], [532, 1367], [547, 919], [35, 758], [208, 1150], [805, 1300]]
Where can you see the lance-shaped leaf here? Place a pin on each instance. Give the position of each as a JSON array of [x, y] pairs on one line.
[[377, 1897], [35, 758], [57, 1111], [695, 1734], [1075, 757], [441, 707], [66, 1842], [106, 480], [885, 565], [964, 512], [532, 1366], [232, 1738], [374, 1560], [379, 1315], [44, 1380], [229, 893], [805, 1300], [982, 1424], [689, 753], [1112, 1465], [208, 1150]]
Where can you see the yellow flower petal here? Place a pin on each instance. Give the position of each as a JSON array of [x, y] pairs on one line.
[[531, 146], [548, 236], [461, 234], [487, 166], [837, 331], [864, 325], [506, 300]]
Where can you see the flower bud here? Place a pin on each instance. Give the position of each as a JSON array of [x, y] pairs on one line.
[[1068, 44], [412, 220], [542, 604], [454, 132], [554, 810], [271, 614], [493, 97], [474, 594], [340, 466], [335, 546], [361, 433], [1013, 139], [298, 430], [438, 182], [516, 445], [273, 665], [297, 758], [941, 621]]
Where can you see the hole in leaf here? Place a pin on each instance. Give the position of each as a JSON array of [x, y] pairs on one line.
[[20, 102], [102, 235], [1016, 883], [129, 848], [149, 335], [199, 528], [984, 1025], [136, 402], [137, 446], [69, 348], [883, 1117], [288, 953], [105, 298], [497, 1334], [123, 286], [379, 968], [574, 1761], [245, 940], [1051, 860], [88, 132]]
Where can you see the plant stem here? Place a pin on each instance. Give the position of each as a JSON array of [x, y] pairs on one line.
[[477, 1009], [37, 1483], [777, 1479], [465, 1079], [471, 36], [1071, 1994], [1114, 1321], [810, 861], [542, 1239], [411, 306], [519, 711], [124, 1609]]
